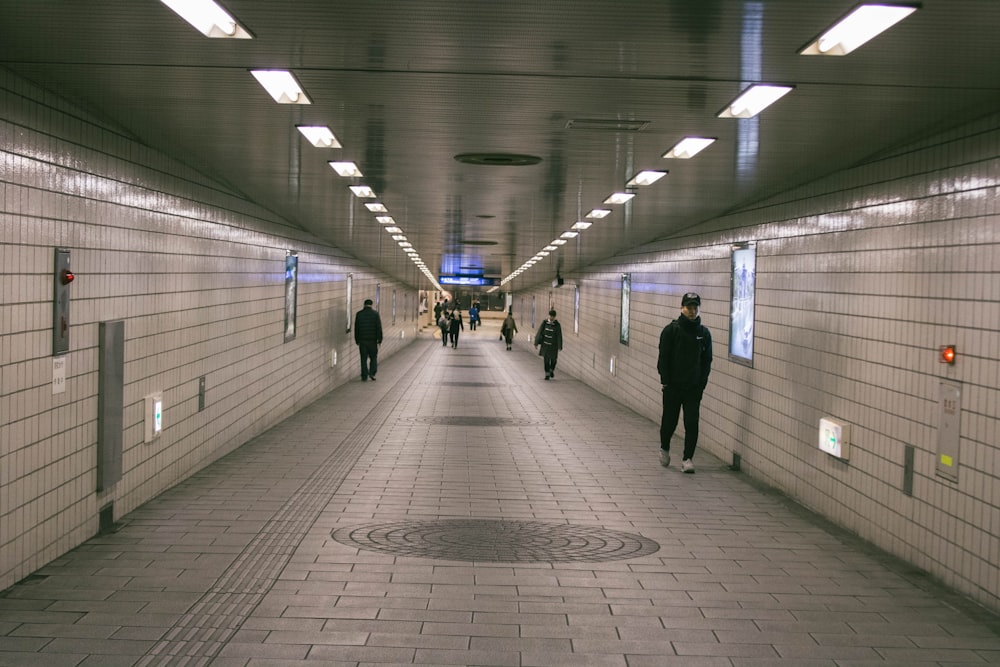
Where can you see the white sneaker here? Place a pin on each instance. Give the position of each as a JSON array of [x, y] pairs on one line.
[[664, 458], [687, 466]]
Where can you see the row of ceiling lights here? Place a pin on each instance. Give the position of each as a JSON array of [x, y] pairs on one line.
[[859, 26], [213, 21], [862, 24]]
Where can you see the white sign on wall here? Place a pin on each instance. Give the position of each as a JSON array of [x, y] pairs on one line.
[[58, 375], [834, 437]]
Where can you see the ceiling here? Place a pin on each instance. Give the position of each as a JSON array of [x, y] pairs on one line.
[[598, 90]]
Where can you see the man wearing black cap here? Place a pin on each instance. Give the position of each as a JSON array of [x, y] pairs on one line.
[[684, 363], [368, 336]]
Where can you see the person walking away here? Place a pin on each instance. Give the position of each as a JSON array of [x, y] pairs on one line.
[[473, 317], [456, 325], [437, 311], [684, 362], [549, 341], [368, 336], [508, 328], [444, 323]]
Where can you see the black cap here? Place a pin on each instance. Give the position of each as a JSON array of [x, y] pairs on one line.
[[368, 302], [690, 297]]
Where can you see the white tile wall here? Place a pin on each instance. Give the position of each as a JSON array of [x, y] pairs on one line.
[[861, 276], [198, 277]]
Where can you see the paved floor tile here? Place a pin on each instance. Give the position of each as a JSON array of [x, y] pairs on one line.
[[464, 512]]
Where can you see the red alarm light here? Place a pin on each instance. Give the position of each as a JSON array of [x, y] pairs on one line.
[[948, 354], [66, 277]]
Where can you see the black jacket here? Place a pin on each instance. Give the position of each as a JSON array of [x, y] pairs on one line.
[[367, 326], [549, 336], [685, 358]]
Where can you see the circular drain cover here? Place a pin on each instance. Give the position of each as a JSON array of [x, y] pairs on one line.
[[497, 541]]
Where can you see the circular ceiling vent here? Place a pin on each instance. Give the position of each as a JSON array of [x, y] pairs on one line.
[[498, 159]]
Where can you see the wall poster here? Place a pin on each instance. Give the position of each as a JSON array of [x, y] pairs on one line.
[[743, 279], [626, 302], [291, 292], [576, 309], [350, 311]]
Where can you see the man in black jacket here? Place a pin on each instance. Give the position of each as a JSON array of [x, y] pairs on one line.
[[684, 363], [368, 336], [549, 337]]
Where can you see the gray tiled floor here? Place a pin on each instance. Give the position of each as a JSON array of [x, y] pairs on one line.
[[237, 567]]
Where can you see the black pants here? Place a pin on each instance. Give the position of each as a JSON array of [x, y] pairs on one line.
[[550, 356], [454, 338], [673, 402], [369, 358], [444, 337]]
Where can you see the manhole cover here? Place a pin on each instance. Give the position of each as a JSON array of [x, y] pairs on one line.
[[497, 541], [473, 420]]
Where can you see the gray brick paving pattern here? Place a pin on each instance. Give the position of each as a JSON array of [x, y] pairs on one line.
[[236, 567]]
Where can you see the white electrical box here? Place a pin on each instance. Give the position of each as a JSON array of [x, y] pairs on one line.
[[834, 437], [154, 416]]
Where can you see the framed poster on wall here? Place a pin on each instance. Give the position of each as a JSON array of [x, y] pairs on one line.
[[291, 292], [626, 303], [576, 309], [742, 279], [350, 311]]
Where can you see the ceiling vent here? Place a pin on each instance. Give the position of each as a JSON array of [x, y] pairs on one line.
[[607, 124], [498, 159]]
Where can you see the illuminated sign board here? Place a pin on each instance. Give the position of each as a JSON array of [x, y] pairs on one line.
[[472, 281]]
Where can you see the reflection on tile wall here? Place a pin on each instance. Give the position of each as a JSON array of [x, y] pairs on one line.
[[860, 277], [197, 275]]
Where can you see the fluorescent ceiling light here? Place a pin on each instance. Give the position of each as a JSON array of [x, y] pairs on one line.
[[208, 18], [619, 198], [281, 85], [346, 169], [569, 235], [550, 248], [376, 207], [688, 147], [864, 23], [753, 100], [363, 191], [558, 242], [542, 253], [319, 136], [398, 237], [385, 219], [581, 225], [647, 177], [393, 230], [405, 244], [599, 213]]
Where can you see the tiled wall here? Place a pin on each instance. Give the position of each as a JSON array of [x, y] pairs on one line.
[[196, 274], [860, 278]]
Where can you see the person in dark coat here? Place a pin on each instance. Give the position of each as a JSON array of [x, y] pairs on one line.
[[508, 328], [549, 341], [455, 326], [368, 336], [684, 362]]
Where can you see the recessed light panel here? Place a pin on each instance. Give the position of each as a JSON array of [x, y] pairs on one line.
[[346, 169], [647, 177], [619, 197], [688, 147], [319, 136], [363, 192], [861, 25], [754, 100], [281, 85], [208, 18]]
